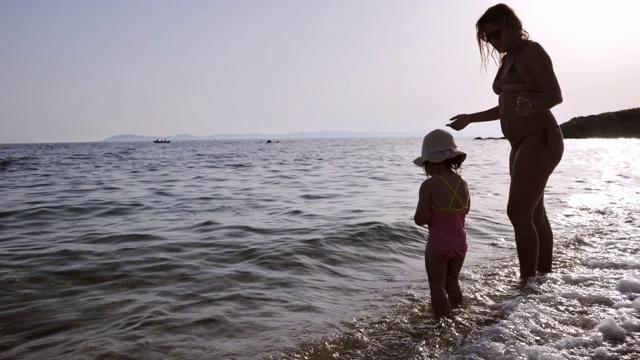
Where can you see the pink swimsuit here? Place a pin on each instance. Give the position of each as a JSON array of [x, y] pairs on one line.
[[447, 233]]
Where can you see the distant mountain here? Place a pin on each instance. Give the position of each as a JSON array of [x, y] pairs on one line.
[[130, 137], [299, 135]]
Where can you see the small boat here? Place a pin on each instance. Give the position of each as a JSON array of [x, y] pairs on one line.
[[162, 141]]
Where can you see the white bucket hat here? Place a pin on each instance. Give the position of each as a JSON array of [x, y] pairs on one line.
[[438, 146]]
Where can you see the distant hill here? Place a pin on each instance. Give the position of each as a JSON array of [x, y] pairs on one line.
[[616, 124], [130, 137], [300, 135]]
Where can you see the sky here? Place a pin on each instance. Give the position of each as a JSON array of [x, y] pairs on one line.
[[86, 70]]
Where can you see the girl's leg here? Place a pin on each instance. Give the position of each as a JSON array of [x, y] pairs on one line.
[[531, 164], [453, 284], [437, 273]]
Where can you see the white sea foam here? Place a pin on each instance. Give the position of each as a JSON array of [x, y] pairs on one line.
[[629, 286], [601, 353], [613, 264], [631, 325], [611, 330]]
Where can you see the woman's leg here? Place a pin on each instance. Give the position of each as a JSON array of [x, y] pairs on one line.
[[437, 273], [531, 164], [545, 237]]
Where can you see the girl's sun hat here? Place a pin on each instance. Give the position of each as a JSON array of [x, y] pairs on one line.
[[438, 146]]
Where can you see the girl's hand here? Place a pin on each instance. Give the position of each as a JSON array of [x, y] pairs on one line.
[[459, 122], [523, 106]]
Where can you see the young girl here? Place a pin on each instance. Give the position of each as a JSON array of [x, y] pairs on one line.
[[443, 204]]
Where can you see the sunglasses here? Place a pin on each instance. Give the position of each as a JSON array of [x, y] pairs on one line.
[[496, 34]]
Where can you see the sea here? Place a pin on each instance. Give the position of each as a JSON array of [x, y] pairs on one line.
[[304, 249]]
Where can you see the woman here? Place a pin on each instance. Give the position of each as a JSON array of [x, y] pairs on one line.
[[527, 89]]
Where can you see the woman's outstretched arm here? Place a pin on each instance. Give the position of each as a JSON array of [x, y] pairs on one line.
[[461, 121]]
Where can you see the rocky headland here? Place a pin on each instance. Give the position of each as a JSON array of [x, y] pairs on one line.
[[615, 124]]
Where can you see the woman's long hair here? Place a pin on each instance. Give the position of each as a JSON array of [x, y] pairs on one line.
[[499, 14]]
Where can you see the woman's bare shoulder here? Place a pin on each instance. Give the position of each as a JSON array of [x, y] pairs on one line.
[[533, 48]]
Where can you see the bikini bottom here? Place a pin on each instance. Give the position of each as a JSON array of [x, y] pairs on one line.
[[544, 136]]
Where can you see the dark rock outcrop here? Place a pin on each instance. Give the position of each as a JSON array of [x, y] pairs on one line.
[[616, 124]]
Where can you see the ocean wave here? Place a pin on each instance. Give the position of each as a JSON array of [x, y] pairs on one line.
[[301, 251]]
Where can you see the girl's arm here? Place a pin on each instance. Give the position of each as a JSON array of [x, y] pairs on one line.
[[421, 216], [468, 197]]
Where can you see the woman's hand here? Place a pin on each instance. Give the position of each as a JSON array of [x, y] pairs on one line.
[[523, 106], [459, 122]]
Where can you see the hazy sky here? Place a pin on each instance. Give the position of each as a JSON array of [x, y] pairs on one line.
[[86, 70]]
